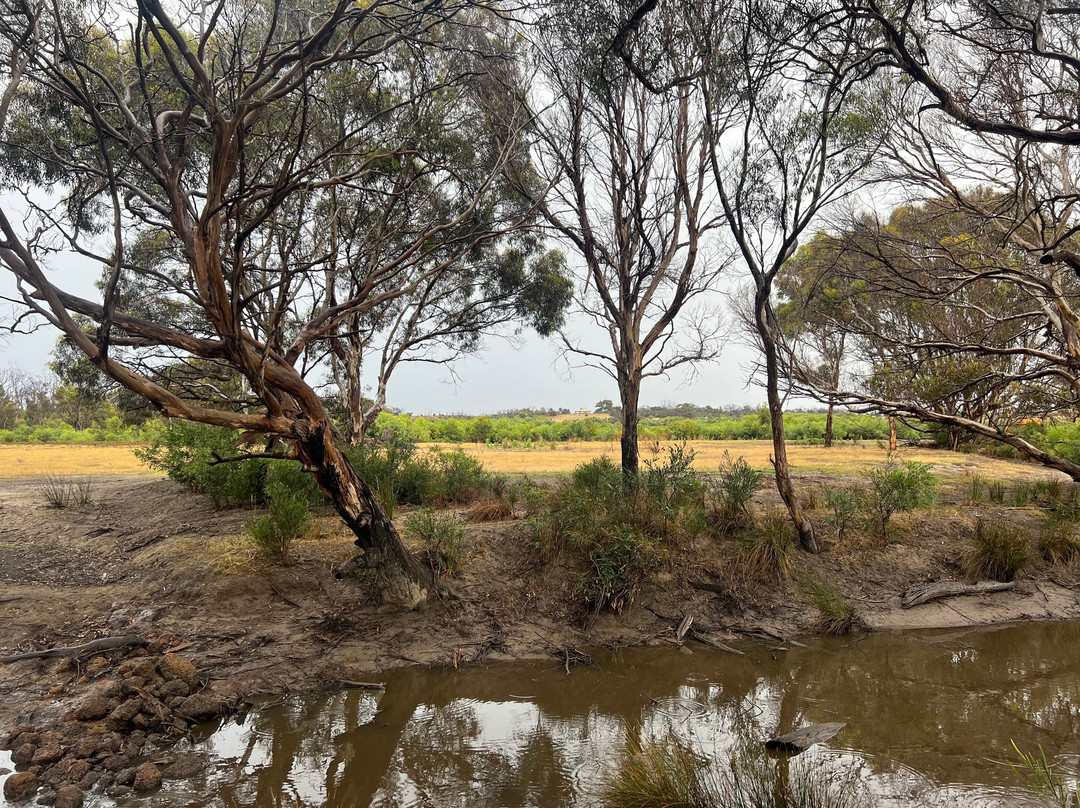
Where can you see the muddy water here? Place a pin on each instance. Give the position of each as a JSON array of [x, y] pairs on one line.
[[930, 720]]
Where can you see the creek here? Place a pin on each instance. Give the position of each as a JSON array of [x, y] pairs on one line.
[[931, 718]]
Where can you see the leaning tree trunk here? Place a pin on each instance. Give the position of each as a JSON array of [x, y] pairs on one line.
[[355, 401], [401, 579], [784, 485], [828, 428]]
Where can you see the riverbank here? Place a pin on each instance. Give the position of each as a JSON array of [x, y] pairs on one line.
[[146, 557]]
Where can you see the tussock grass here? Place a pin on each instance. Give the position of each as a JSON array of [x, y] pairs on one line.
[[999, 550], [837, 614], [667, 774], [491, 510], [66, 492], [1057, 541], [767, 550]]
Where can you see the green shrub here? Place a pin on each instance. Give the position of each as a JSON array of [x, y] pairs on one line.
[[599, 476], [1000, 550], [185, 451], [846, 506], [736, 483], [443, 538], [899, 488], [288, 518]]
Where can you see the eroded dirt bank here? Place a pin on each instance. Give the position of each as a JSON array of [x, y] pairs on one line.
[[148, 558]]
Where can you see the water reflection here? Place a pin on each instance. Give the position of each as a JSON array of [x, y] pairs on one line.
[[930, 718]]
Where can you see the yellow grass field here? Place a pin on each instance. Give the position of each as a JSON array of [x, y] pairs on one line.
[[847, 458], [41, 459]]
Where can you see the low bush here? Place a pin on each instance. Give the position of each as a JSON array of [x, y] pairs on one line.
[[899, 488], [618, 527], [999, 551], [443, 538], [734, 488], [846, 506], [288, 517]]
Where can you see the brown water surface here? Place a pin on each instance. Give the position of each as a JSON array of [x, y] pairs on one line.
[[930, 716]]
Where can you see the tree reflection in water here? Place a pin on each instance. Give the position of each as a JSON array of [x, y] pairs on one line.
[[930, 718]]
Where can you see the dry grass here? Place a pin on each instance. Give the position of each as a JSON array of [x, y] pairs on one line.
[[845, 459], [490, 510], [46, 459]]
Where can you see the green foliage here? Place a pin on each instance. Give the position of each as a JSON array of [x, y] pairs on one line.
[[837, 614], [443, 538], [976, 488], [618, 527], [846, 506], [734, 489], [897, 488], [185, 451], [288, 518], [807, 428], [999, 551], [1039, 778], [65, 492]]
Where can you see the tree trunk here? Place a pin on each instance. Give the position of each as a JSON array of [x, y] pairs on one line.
[[892, 433], [355, 401], [828, 428], [629, 390], [400, 577], [784, 485]]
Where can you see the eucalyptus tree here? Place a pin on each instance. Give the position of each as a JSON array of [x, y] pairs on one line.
[[179, 145], [792, 120], [623, 182]]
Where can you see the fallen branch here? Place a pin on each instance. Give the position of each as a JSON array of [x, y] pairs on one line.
[[104, 644], [705, 639], [949, 589], [361, 685]]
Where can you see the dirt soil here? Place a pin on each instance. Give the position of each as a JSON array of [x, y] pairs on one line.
[[148, 557]]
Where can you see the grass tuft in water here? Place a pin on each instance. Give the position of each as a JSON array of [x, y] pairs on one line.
[[837, 614], [1039, 778]]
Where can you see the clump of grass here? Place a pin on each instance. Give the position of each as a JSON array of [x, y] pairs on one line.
[[1050, 488], [999, 551], [1039, 779], [767, 550], [667, 774], [658, 774], [66, 492], [1021, 495], [838, 615], [846, 505], [996, 490], [496, 509], [734, 488], [976, 488], [897, 488], [443, 538], [1057, 542], [288, 518]]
